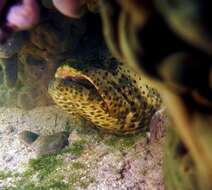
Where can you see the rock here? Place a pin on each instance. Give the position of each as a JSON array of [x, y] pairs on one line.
[[27, 66], [28, 137], [158, 125], [93, 160], [12, 46], [9, 71], [44, 144], [50, 144], [73, 137]]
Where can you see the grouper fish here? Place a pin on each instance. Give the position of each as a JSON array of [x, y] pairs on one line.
[[112, 98]]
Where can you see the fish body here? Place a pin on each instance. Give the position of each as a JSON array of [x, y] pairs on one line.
[[114, 99]]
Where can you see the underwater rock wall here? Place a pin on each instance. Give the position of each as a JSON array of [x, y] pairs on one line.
[[28, 60]]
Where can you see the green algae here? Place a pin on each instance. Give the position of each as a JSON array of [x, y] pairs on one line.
[[122, 143], [53, 185], [5, 174], [78, 165], [68, 128], [41, 168], [80, 180], [44, 165], [77, 148], [48, 172]]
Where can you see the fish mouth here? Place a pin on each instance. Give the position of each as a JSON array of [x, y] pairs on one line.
[[72, 81], [68, 74], [82, 81]]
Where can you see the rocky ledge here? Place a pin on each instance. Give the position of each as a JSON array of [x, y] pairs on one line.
[[92, 160]]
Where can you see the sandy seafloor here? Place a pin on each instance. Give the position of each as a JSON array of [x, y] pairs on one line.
[[138, 167]]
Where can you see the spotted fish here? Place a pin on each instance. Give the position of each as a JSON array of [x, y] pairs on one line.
[[114, 99]]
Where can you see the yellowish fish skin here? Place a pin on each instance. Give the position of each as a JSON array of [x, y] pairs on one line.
[[115, 100]]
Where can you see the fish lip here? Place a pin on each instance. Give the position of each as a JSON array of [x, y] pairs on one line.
[[73, 78], [66, 73], [78, 80]]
